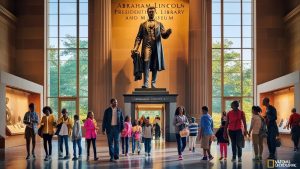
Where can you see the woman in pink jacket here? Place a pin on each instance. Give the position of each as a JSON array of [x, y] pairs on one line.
[[91, 133], [125, 135]]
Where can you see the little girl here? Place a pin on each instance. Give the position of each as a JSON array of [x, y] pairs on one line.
[[125, 135], [147, 134], [136, 136], [223, 142], [91, 134]]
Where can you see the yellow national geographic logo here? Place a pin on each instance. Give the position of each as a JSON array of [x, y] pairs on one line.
[[280, 163], [271, 163]]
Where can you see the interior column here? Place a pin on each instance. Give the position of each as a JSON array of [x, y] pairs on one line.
[[100, 82], [199, 62]]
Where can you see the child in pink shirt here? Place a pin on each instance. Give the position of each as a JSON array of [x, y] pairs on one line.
[[91, 133], [125, 135]]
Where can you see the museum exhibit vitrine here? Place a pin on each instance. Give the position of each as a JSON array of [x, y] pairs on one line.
[[16, 95]]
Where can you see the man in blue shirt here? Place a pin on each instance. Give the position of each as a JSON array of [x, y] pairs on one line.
[[206, 127]]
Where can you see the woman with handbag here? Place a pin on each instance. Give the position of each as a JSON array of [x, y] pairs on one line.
[[64, 133], [181, 122], [47, 128], [235, 121]]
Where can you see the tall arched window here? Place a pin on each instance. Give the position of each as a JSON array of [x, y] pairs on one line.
[[232, 56], [67, 56]]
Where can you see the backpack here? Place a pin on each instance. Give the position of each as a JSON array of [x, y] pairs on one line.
[[263, 129]]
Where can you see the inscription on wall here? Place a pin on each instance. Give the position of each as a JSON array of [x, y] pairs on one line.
[[137, 11]]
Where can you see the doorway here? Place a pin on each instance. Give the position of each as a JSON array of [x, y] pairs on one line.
[[156, 115]]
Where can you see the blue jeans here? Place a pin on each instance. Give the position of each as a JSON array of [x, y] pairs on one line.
[[147, 145], [136, 143], [181, 143], [125, 142], [78, 143], [113, 141], [63, 139]]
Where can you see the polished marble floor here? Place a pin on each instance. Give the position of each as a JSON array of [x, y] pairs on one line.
[[164, 155]]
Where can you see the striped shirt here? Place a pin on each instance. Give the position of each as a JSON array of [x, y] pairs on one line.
[[193, 127]]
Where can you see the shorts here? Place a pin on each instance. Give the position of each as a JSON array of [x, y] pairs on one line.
[[205, 142], [29, 133]]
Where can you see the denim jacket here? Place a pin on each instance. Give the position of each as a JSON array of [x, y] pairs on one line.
[[31, 120]]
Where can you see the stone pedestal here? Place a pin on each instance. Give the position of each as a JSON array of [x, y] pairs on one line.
[[154, 96]]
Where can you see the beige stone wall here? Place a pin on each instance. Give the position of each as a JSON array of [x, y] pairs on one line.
[[271, 50], [7, 40], [292, 22], [124, 30], [30, 40]]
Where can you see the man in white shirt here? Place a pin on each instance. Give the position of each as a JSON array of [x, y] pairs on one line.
[[112, 126]]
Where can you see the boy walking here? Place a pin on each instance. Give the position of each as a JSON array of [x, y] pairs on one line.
[[76, 137], [206, 133], [193, 127]]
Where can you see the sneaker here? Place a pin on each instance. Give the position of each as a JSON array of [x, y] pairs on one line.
[[74, 158], [145, 154], [60, 156], [49, 157], [271, 157], [210, 157], [221, 158], [233, 159], [111, 160], [295, 149], [180, 157], [116, 157], [66, 157], [193, 149], [149, 154], [96, 158], [190, 149], [28, 157], [225, 158], [260, 158], [126, 154], [46, 158], [240, 160], [204, 158], [33, 156], [138, 152], [80, 156], [255, 158]]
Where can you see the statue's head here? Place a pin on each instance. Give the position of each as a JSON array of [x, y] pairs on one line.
[[151, 12]]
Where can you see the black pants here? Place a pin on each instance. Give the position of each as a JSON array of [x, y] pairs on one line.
[[271, 140], [29, 136], [47, 138], [236, 142], [93, 140], [295, 135]]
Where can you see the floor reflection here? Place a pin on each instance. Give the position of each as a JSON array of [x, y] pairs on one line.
[[164, 155]]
